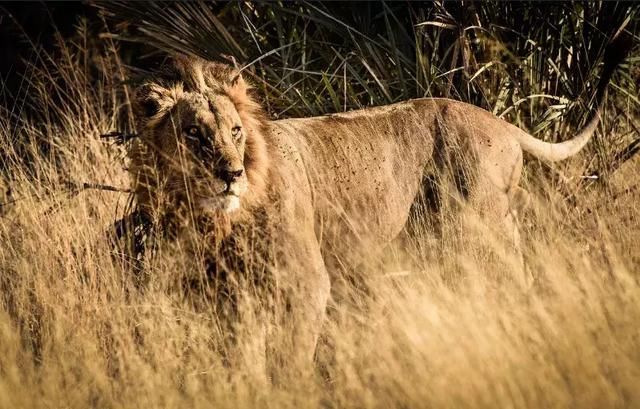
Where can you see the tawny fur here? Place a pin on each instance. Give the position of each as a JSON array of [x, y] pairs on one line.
[[333, 188]]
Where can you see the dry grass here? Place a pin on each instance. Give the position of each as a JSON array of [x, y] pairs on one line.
[[454, 331]]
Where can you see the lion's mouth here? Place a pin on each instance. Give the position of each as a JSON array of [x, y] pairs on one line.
[[226, 202], [208, 196]]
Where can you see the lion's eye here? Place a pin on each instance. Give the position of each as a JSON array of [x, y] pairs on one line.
[[192, 131], [236, 131]]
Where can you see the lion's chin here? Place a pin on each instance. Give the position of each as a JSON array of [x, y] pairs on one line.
[[225, 203]]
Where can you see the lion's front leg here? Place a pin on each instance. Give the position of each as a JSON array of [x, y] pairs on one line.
[[303, 292]]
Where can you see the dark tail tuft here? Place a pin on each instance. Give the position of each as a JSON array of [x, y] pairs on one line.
[[615, 52], [618, 49]]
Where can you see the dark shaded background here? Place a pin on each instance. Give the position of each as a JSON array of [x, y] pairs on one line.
[[294, 45], [21, 22]]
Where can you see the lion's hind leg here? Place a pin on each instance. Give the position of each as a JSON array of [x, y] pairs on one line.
[[491, 222], [465, 223]]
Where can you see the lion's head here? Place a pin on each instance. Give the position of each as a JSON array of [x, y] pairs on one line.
[[201, 149]]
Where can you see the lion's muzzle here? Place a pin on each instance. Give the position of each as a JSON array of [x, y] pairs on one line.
[[227, 192]]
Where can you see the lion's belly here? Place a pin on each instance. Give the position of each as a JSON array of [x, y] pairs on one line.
[[353, 233], [359, 211]]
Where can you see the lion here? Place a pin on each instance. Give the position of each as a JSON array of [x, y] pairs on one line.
[[324, 192]]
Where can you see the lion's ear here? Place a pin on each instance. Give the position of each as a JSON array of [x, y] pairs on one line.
[[148, 107], [237, 83], [236, 79], [150, 99]]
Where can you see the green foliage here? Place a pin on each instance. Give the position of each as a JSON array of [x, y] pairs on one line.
[[520, 59]]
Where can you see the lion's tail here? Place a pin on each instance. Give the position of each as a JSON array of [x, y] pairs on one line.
[[615, 52]]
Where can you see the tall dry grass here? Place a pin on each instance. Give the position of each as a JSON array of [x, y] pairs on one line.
[[433, 329]]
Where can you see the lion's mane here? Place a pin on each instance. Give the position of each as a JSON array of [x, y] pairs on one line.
[[187, 74]]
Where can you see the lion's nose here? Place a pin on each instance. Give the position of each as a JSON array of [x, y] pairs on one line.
[[230, 175]]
